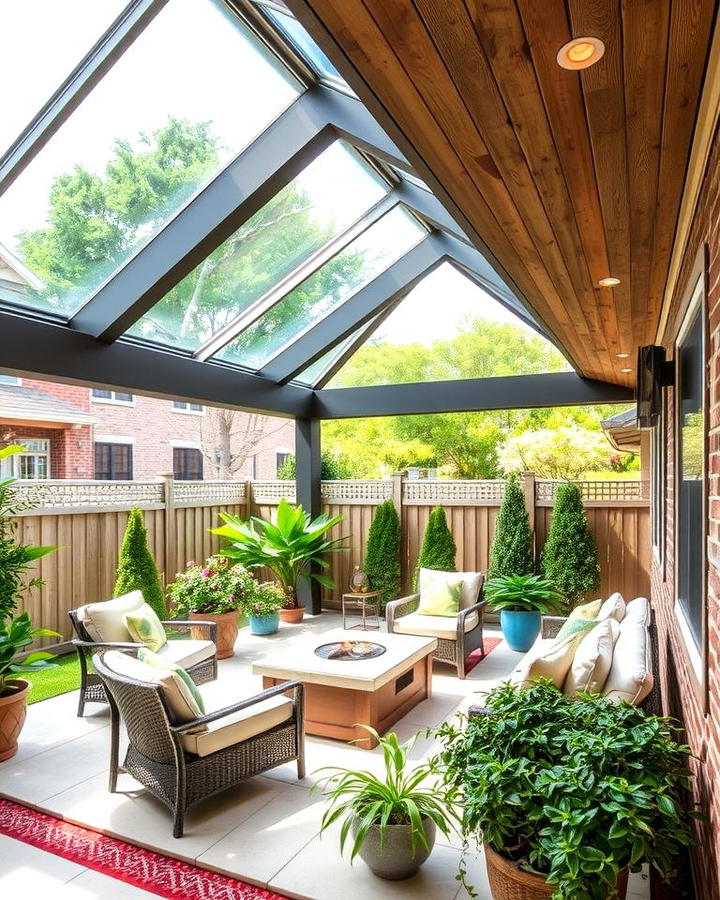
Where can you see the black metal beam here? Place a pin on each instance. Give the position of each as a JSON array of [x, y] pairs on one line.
[[511, 392], [101, 57], [55, 352], [308, 472], [358, 309]]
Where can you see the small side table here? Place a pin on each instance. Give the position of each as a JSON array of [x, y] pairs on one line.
[[368, 605]]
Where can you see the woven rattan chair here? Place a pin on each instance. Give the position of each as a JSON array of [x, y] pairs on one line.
[[91, 687], [457, 639], [158, 759]]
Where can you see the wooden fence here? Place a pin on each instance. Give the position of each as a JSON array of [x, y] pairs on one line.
[[87, 519]]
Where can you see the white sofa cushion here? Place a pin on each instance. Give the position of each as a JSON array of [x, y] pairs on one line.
[[547, 658], [239, 726], [637, 612], [105, 621], [471, 583], [593, 659], [443, 627], [186, 653], [631, 675], [613, 608]]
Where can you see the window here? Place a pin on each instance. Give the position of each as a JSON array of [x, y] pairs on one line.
[[32, 464], [113, 462], [280, 460], [657, 502], [187, 464], [182, 406], [690, 467], [9, 379], [104, 396]]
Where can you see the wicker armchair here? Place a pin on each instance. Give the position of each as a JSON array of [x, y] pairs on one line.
[[157, 755], [458, 638], [91, 687]]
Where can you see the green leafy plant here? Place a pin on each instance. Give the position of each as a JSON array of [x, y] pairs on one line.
[[15, 558], [292, 547], [16, 635], [401, 797], [382, 553], [215, 588], [570, 557], [331, 468], [264, 600], [522, 593], [511, 551], [438, 547], [575, 789], [136, 566]]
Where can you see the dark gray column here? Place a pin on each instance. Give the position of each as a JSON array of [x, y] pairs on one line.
[[307, 479]]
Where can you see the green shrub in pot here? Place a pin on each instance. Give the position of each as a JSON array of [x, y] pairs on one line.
[[520, 600], [575, 790]]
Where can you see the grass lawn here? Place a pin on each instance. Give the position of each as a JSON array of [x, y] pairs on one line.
[[51, 682]]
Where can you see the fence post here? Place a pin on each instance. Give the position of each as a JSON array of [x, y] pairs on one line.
[[529, 493], [170, 529], [249, 499], [397, 499]]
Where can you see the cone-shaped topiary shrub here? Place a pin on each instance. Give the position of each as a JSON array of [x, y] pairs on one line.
[[136, 567], [438, 547], [382, 553], [570, 558], [511, 551]]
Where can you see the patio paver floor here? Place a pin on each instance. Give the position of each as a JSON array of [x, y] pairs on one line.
[[265, 831]]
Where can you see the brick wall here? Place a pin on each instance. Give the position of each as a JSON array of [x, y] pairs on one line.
[[71, 449], [70, 393], [699, 713]]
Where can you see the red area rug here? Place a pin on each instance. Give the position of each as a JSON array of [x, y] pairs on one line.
[[144, 869], [476, 656]]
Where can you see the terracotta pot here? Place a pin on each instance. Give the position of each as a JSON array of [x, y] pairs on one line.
[[227, 631], [293, 615], [509, 882], [13, 709]]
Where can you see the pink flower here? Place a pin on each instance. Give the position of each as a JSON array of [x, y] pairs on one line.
[[190, 562], [207, 573]]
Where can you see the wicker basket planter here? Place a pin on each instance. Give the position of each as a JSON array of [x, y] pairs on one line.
[[509, 882], [13, 709], [227, 631]]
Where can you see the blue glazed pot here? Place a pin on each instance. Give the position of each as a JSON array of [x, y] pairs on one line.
[[264, 624], [520, 628]]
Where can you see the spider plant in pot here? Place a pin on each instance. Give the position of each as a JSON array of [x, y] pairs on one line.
[[391, 820], [293, 547], [520, 600]]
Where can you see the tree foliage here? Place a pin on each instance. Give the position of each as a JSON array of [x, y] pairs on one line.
[[136, 566], [570, 558], [331, 468], [566, 452], [438, 549], [382, 553], [511, 552]]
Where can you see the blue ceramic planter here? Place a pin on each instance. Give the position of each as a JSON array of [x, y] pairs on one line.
[[520, 628], [264, 624]]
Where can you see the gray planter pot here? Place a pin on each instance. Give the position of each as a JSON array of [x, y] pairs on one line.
[[394, 858]]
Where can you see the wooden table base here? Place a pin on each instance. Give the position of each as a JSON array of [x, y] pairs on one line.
[[336, 712]]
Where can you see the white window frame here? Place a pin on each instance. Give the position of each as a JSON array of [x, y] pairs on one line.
[[10, 467], [10, 380], [186, 411], [112, 399]]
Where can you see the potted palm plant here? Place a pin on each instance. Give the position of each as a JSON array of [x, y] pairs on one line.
[[15, 636], [292, 547], [520, 600], [568, 795], [392, 820], [213, 592], [262, 607]]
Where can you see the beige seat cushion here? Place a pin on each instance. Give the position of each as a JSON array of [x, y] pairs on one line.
[[182, 705], [105, 621], [637, 612], [631, 675], [443, 627], [187, 653], [547, 659], [240, 726], [471, 582], [613, 608], [593, 659]]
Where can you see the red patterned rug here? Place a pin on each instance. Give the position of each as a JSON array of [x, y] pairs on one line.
[[476, 656], [144, 869]]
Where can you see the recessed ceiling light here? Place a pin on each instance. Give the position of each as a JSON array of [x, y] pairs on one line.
[[626, 370], [622, 355], [610, 281], [580, 52]]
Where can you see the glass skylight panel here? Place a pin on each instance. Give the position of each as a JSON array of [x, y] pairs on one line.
[[314, 372], [34, 62], [413, 179], [361, 261], [334, 191], [190, 93]]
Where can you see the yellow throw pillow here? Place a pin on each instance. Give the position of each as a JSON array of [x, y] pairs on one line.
[[145, 627], [586, 610], [440, 597], [152, 659]]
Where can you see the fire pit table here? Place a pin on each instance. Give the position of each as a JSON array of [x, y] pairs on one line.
[[349, 680]]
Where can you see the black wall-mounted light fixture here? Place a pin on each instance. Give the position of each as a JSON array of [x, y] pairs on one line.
[[654, 373]]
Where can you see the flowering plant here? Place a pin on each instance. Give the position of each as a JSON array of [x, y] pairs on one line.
[[266, 600], [215, 588]]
